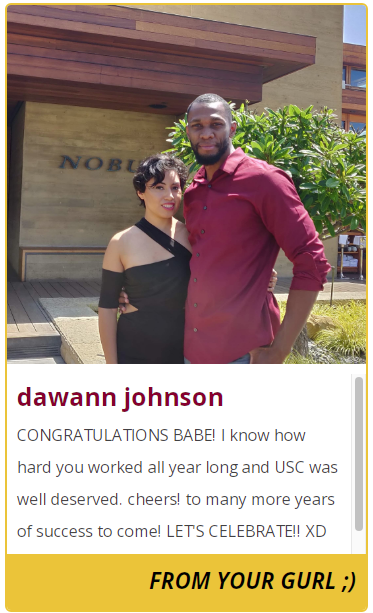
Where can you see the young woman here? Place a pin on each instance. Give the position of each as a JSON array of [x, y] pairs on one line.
[[151, 260]]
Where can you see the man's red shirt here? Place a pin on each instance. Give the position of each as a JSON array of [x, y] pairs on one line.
[[237, 223]]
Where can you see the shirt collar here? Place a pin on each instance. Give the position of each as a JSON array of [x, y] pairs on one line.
[[229, 165]]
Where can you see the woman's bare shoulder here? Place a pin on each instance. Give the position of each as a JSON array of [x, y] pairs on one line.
[[123, 235], [124, 239], [118, 248]]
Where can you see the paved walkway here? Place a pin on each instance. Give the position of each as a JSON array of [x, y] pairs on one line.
[[344, 289], [30, 333], [32, 336]]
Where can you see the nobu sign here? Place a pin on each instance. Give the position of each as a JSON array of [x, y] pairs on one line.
[[95, 163]]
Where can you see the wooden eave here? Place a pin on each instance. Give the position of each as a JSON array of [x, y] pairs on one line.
[[354, 101], [354, 55], [128, 58]]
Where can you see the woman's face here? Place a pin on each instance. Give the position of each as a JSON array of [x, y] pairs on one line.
[[163, 199]]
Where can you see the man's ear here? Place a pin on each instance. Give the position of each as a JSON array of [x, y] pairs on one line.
[[233, 129], [187, 130]]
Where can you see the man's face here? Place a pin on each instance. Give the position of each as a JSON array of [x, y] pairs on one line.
[[209, 131]]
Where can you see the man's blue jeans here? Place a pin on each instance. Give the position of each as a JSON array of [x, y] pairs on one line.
[[244, 360]]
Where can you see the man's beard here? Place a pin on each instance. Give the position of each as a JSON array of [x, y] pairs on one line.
[[211, 159]]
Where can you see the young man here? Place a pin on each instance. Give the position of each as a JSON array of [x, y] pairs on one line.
[[239, 211]]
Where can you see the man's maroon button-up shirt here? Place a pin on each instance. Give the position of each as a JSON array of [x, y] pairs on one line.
[[237, 223]]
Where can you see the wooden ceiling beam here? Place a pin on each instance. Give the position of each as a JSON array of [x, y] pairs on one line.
[[124, 50]]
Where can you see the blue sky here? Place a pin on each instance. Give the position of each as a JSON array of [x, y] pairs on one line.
[[354, 30]]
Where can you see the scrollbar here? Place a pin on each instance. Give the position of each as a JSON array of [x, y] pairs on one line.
[[358, 540]]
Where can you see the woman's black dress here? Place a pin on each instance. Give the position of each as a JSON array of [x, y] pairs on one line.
[[154, 334]]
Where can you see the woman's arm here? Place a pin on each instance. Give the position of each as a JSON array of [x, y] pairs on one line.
[[107, 323], [107, 316]]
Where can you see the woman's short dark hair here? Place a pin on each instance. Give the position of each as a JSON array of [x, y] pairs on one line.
[[155, 167]]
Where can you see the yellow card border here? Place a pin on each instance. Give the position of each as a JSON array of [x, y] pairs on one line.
[[101, 582]]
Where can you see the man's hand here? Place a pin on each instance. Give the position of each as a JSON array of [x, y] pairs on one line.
[[272, 282], [299, 306], [266, 355], [123, 300]]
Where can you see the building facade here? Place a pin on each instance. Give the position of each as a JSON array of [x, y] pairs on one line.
[[354, 87], [92, 89]]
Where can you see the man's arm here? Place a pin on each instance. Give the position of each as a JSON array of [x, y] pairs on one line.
[[298, 308], [285, 217]]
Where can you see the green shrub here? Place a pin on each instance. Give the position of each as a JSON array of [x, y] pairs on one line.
[[326, 163], [349, 338], [296, 358]]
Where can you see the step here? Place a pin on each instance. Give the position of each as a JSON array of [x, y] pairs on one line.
[[33, 344]]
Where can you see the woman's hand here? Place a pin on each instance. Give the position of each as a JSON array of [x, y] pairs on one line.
[[272, 282]]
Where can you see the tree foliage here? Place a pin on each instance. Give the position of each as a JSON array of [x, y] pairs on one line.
[[327, 164]]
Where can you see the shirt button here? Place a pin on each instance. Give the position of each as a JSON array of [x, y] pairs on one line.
[[204, 208], [209, 186], [197, 255], [202, 231], [195, 330], [195, 280], [195, 304]]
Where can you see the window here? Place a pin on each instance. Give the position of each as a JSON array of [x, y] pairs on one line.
[[358, 78], [358, 126], [352, 122], [344, 74]]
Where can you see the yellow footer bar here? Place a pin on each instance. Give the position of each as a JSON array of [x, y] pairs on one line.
[[186, 582]]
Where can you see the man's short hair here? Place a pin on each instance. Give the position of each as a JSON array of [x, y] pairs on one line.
[[155, 167], [209, 98]]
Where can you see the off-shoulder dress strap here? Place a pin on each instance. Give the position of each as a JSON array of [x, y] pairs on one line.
[[168, 243]]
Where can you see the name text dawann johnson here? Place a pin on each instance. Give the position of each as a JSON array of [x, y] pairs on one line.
[[149, 398]]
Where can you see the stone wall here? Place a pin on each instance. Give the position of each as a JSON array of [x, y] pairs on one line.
[[68, 207]]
